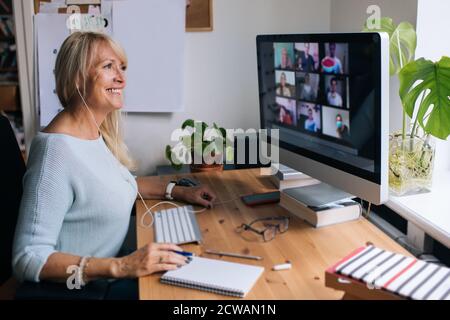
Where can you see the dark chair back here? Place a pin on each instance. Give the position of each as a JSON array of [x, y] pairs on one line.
[[12, 169]]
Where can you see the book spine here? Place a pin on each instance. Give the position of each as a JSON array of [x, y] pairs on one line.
[[298, 209], [288, 184]]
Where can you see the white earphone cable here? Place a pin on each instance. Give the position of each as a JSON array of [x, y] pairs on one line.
[[148, 210], [143, 224]]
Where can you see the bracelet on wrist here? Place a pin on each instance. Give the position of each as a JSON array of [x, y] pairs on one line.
[[81, 271]]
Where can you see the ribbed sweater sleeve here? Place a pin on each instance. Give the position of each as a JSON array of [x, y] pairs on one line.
[[47, 197]]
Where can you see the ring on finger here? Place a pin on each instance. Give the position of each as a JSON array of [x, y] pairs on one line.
[[160, 259]]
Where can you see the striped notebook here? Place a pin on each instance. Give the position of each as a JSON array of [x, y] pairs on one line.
[[217, 276], [405, 276]]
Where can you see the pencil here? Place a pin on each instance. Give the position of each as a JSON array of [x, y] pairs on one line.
[[236, 255]]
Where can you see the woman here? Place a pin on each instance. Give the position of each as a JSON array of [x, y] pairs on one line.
[[78, 191], [286, 62], [283, 89], [285, 116]]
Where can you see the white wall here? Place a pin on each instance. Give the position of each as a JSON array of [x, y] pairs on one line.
[[350, 15], [221, 72], [432, 28]]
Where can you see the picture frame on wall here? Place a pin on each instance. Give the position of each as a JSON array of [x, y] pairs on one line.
[[199, 15]]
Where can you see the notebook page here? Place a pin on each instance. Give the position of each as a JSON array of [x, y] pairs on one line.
[[217, 274]]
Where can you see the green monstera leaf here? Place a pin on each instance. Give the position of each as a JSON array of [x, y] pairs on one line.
[[402, 42], [432, 79]]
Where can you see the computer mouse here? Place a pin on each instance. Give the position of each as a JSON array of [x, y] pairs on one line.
[[185, 182]]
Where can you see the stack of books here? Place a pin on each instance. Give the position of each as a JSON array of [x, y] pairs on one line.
[[373, 273], [295, 201], [287, 177]]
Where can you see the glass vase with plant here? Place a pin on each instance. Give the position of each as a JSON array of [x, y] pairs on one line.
[[425, 95]]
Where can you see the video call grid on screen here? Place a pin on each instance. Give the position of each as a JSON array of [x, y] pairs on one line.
[[317, 73], [333, 90]]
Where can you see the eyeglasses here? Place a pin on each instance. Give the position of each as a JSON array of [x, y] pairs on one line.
[[271, 228]]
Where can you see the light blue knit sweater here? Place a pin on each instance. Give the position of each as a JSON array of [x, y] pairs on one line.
[[77, 199]]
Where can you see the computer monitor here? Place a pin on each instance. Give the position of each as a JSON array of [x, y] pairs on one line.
[[328, 94]]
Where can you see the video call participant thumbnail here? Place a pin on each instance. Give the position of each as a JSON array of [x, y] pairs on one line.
[[284, 55], [341, 128], [335, 91], [335, 55], [308, 86], [286, 111], [336, 123], [307, 57], [309, 116], [285, 83]]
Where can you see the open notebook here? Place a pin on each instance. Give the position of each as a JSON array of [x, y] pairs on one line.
[[227, 278]]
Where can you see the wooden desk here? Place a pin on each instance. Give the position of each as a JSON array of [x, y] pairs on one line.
[[310, 250]]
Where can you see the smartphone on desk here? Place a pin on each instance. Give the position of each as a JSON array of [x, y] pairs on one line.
[[261, 198]]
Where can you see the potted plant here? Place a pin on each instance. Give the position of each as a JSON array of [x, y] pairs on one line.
[[201, 146], [424, 92]]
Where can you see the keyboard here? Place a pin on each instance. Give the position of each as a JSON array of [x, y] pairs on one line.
[[177, 225]]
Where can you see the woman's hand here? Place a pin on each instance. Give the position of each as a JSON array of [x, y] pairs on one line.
[[153, 257], [201, 195]]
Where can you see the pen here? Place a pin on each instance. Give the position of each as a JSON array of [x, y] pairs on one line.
[[236, 255], [184, 253]]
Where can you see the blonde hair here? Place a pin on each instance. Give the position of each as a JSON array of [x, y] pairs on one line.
[[74, 60]]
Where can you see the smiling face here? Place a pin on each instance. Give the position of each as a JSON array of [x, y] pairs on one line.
[[106, 80]]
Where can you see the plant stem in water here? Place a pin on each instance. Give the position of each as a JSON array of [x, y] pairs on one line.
[[401, 67], [416, 121]]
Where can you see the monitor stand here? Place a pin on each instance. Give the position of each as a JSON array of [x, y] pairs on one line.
[[317, 194]]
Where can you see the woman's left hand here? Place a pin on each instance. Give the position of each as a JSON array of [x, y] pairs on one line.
[[201, 195]]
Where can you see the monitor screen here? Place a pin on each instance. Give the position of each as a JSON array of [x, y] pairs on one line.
[[323, 92]]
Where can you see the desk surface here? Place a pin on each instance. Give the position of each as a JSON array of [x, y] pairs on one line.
[[310, 250]]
